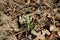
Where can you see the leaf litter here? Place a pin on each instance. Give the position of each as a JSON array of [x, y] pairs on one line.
[[29, 19]]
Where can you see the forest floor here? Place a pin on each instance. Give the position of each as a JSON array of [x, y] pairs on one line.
[[29, 19]]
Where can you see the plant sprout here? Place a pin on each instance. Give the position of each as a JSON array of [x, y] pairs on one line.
[[27, 24]]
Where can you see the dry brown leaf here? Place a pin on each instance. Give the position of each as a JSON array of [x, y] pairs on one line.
[[59, 33], [39, 35], [53, 28], [45, 32]]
